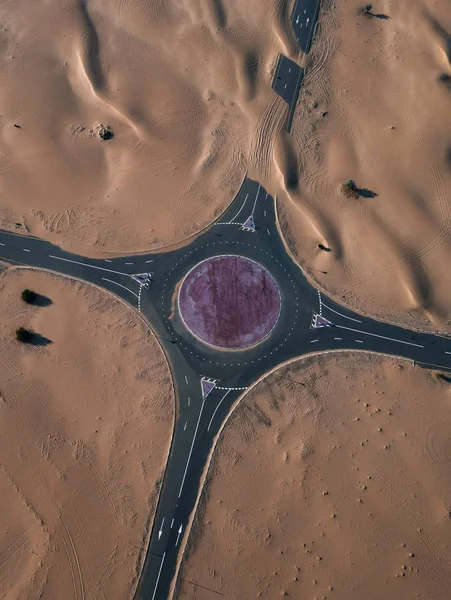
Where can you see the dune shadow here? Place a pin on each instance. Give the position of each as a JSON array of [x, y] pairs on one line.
[[445, 78], [366, 193], [444, 377], [220, 13], [41, 300], [448, 157], [380, 16], [39, 340], [442, 32]]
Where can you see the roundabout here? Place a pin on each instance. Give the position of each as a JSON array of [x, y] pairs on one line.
[[229, 302]]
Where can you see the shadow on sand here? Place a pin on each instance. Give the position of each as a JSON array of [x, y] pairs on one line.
[[38, 340], [41, 300], [366, 193]]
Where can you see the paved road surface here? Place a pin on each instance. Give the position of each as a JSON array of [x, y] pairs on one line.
[[303, 19], [309, 322], [287, 83], [199, 419]]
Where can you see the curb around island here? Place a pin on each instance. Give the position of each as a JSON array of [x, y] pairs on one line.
[[183, 546], [148, 526]]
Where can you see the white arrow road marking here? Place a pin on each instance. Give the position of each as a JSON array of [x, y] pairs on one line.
[[178, 535], [191, 450], [160, 533], [158, 578]]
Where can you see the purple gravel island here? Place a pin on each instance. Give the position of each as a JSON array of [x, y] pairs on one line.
[[229, 302]]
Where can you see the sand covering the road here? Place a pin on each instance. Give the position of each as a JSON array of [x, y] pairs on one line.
[[385, 84], [330, 480], [184, 87], [85, 425]]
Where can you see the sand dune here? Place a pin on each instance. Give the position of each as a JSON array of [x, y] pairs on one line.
[[86, 423], [182, 87], [329, 481], [382, 81]]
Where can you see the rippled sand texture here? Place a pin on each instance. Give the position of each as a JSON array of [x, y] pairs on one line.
[[330, 480], [384, 82], [85, 427], [185, 89]]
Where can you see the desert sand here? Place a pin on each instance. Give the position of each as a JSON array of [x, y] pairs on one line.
[[86, 423], [185, 90], [384, 82], [328, 481], [183, 87]]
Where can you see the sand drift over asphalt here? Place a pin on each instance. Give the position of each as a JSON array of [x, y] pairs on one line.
[[229, 302], [374, 108], [185, 89], [85, 422], [328, 481]]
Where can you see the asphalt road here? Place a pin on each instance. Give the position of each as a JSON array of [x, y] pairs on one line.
[[248, 228], [197, 419], [303, 19], [287, 83]]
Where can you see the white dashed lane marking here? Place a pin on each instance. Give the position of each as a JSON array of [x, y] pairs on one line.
[[359, 341], [26, 250]]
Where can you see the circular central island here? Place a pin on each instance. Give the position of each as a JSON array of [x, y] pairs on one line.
[[229, 302]]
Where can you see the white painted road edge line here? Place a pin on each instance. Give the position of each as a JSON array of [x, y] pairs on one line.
[[158, 578], [337, 313], [255, 201], [192, 446], [120, 285], [213, 416], [76, 262], [242, 206], [379, 336]]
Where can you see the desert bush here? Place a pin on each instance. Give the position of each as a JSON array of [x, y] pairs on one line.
[[28, 296], [23, 335]]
